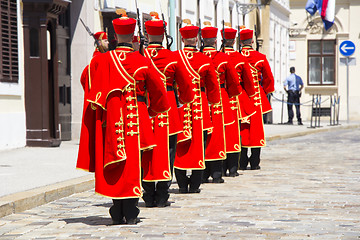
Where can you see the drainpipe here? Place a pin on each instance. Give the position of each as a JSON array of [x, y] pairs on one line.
[[172, 23]]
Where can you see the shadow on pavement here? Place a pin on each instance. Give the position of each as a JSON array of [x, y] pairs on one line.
[[91, 220], [106, 205]]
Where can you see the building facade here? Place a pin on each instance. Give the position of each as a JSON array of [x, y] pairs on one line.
[[45, 49], [315, 54], [12, 106]]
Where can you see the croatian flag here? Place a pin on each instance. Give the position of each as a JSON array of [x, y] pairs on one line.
[[326, 10]]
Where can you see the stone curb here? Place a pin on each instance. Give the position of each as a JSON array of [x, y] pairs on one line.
[[18, 202], [21, 201], [312, 131]]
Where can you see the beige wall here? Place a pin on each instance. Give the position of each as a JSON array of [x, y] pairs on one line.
[[346, 28], [12, 106]]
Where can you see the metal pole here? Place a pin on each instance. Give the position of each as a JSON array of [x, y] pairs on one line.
[[319, 110], [172, 23], [312, 111], [347, 89], [282, 108]]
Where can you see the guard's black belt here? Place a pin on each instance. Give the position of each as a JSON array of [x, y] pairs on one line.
[[203, 89], [222, 85], [141, 98], [169, 88]]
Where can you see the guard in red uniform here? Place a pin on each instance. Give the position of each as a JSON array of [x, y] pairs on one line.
[[111, 148], [86, 83], [253, 134], [190, 150], [158, 163], [241, 106], [102, 46], [136, 43], [102, 43], [221, 113]]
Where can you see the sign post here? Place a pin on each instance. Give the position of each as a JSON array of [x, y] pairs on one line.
[[347, 48]]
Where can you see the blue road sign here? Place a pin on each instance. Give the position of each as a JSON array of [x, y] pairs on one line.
[[347, 48]]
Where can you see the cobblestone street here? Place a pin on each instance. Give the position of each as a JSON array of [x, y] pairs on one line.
[[308, 188]]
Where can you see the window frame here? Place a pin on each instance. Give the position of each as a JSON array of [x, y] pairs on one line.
[[10, 13], [321, 55]]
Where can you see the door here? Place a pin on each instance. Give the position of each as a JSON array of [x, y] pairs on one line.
[[63, 47]]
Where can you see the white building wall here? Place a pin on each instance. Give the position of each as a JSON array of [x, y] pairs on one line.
[[12, 105], [346, 28], [278, 55], [82, 48]]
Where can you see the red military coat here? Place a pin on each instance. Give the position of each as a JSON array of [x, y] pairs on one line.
[[221, 113], [246, 107], [156, 162], [96, 52], [253, 134], [115, 158], [90, 120], [241, 105], [196, 115]]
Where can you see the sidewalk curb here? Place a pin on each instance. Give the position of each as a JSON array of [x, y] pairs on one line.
[[21, 201], [312, 131]]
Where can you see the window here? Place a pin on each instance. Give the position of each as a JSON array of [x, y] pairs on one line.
[[9, 71], [321, 62]]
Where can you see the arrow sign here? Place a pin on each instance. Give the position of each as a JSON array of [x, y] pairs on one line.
[[347, 48]]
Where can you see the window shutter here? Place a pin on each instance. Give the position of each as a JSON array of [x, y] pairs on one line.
[[9, 62]]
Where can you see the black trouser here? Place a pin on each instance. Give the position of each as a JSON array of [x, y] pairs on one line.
[[194, 181], [124, 208], [254, 159], [231, 162], [294, 99], [159, 192], [213, 169]]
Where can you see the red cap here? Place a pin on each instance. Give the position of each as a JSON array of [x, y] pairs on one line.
[[135, 39], [246, 34], [124, 25], [100, 35], [230, 33], [189, 31], [208, 31], [155, 26]]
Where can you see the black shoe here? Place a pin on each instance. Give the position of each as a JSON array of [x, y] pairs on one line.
[[300, 123], [121, 222], [150, 204], [289, 123], [242, 168], [198, 190], [163, 204], [183, 190], [205, 180], [132, 221], [255, 168], [116, 220], [235, 174], [218, 180]]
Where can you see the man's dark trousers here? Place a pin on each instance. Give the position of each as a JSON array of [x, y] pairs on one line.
[[160, 194], [254, 159], [196, 175], [124, 208], [231, 162], [294, 99]]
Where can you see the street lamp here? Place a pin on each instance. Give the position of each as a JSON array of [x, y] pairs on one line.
[[245, 8]]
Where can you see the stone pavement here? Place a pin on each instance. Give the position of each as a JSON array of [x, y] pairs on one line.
[[308, 188]]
